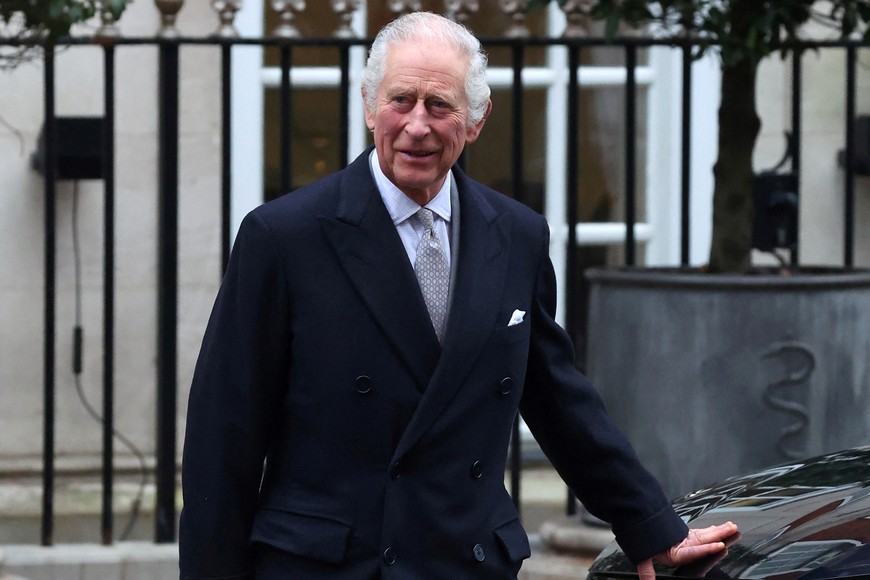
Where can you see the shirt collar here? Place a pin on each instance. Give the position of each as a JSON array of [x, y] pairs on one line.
[[400, 206]]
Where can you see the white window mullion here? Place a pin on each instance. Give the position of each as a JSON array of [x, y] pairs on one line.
[[247, 119], [663, 162], [357, 132], [663, 147], [555, 181], [706, 80]]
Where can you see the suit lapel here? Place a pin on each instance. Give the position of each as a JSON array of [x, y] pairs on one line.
[[481, 272], [370, 251]]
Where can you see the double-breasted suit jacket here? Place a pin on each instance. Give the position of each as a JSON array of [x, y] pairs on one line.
[[326, 422]]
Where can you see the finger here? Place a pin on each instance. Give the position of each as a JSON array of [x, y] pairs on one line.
[[687, 552], [684, 554], [645, 570], [711, 534]]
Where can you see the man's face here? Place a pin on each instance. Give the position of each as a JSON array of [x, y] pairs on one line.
[[420, 116]]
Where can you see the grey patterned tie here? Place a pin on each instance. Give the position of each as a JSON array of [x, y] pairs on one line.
[[433, 272]]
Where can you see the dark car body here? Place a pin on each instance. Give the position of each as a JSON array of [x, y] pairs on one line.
[[808, 520]]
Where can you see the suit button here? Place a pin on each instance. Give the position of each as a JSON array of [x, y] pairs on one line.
[[478, 552], [390, 556], [476, 470], [505, 386], [394, 470], [363, 384]]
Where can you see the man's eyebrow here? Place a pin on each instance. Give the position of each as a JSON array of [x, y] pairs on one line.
[[399, 90]]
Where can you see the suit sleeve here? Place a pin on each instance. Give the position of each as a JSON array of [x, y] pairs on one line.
[[569, 421], [237, 386]]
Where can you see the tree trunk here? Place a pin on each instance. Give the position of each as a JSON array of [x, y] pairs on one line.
[[731, 247]]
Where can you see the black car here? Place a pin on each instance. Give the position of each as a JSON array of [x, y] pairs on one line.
[[808, 520]]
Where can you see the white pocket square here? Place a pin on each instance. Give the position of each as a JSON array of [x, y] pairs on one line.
[[516, 317]]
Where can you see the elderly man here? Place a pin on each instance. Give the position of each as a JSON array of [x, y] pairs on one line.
[[368, 351]]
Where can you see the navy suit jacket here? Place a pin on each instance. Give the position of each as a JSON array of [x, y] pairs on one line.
[[326, 422]]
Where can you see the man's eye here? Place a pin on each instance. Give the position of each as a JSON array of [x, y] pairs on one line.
[[400, 99]]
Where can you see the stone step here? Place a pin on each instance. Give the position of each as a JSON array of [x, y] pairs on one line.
[[120, 561], [3, 574], [77, 511]]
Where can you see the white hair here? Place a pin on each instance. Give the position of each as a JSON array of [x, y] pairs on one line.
[[429, 26]]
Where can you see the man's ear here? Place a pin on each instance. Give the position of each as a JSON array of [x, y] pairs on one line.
[[370, 121], [473, 131]]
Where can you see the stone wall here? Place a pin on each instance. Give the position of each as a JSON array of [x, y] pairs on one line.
[[80, 93]]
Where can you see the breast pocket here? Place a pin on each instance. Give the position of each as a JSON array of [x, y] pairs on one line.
[[511, 334]]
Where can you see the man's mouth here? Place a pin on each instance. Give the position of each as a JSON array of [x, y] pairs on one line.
[[418, 154]]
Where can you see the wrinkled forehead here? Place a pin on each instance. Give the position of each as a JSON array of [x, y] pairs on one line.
[[426, 46], [426, 60]]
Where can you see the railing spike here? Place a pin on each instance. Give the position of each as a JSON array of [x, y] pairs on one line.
[[460, 10], [287, 11], [577, 15], [168, 11], [401, 7], [516, 9], [345, 10], [226, 10], [108, 27]]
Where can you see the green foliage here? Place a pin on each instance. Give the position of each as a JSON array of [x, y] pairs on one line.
[[742, 29], [52, 19]]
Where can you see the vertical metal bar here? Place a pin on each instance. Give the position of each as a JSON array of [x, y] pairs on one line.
[[849, 217], [630, 150], [572, 182], [686, 158], [226, 151], [47, 531], [167, 293], [108, 166], [516, 462], [518, 55], [797, 136], [286, 116], [517, 177], [571, 195], [344, 105]]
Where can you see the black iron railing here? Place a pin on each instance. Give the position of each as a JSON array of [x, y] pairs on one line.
[[167, 85]]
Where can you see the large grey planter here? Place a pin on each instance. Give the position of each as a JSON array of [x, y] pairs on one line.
[[714, 375]]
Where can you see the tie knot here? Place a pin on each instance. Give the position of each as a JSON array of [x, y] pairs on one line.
[[426, 218]]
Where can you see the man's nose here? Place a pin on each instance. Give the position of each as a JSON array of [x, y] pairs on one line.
[[418, 121]]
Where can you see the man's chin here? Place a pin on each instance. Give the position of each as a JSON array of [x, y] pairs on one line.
[[419, 180]]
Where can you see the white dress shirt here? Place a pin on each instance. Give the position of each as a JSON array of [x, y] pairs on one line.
[[401, 208]]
